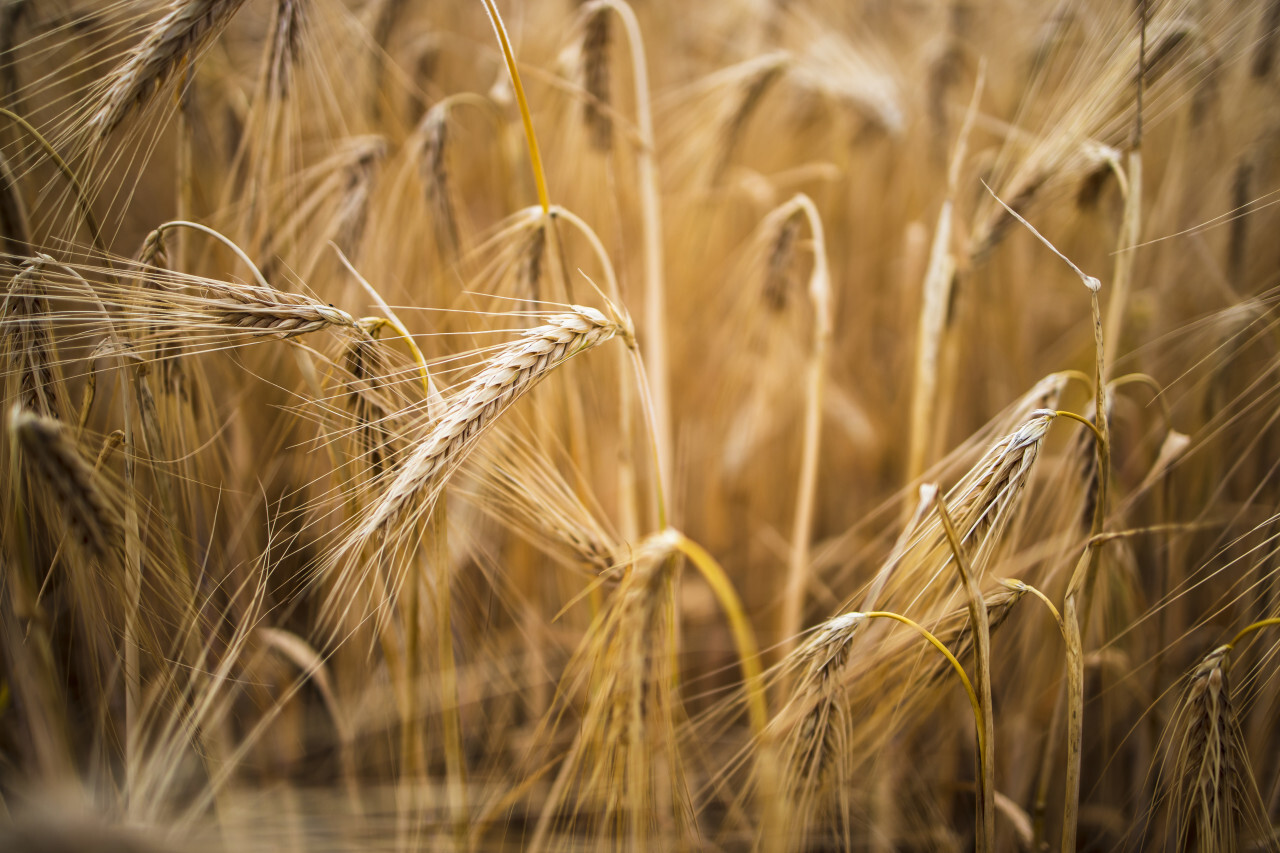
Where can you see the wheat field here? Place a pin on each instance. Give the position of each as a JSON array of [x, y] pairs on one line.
[[762, 425]]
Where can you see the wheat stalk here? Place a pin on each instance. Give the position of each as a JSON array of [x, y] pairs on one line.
[[595, 74], [15, 233]]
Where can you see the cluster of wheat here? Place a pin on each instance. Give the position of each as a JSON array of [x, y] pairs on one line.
[[752, 425]]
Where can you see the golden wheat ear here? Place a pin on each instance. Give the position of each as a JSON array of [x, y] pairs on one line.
[[185, 30], [1215, 803], [391, 521], [89, 516]]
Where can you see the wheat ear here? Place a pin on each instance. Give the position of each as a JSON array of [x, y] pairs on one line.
[[595, 75], [55, 459], [508, 375], [26, 338], [284, 50], [1216, 793], [184, 31]]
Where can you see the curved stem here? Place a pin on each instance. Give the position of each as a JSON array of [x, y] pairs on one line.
[[951, 659], [1082, 419], [1026, 587], [82, 200], [1265, 623], [978, 618], [535, 156], [714, 574], [435, 403], [1150, 382], [221, 238]]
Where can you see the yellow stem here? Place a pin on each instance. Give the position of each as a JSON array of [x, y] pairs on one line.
[[743, 636], [951, 659], [535, 156], [1265, 623], [428, 387]]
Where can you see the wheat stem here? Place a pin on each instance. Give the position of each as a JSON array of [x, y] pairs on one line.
[[535, 156], [748, 652], [982, 667], [799, 569], [974, 702], [429, 391], [77, 189], [654, 340], [1256, 626]]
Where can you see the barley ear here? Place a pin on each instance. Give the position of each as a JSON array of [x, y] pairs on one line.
[[185, 30], [57, 463]]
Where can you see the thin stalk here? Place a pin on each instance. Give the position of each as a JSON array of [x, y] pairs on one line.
[[933, 312], [77, 189], [982, 668], [508, 55], [974, 702], [748, 653], [799, 569], [655, 310], [1079, 595]]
